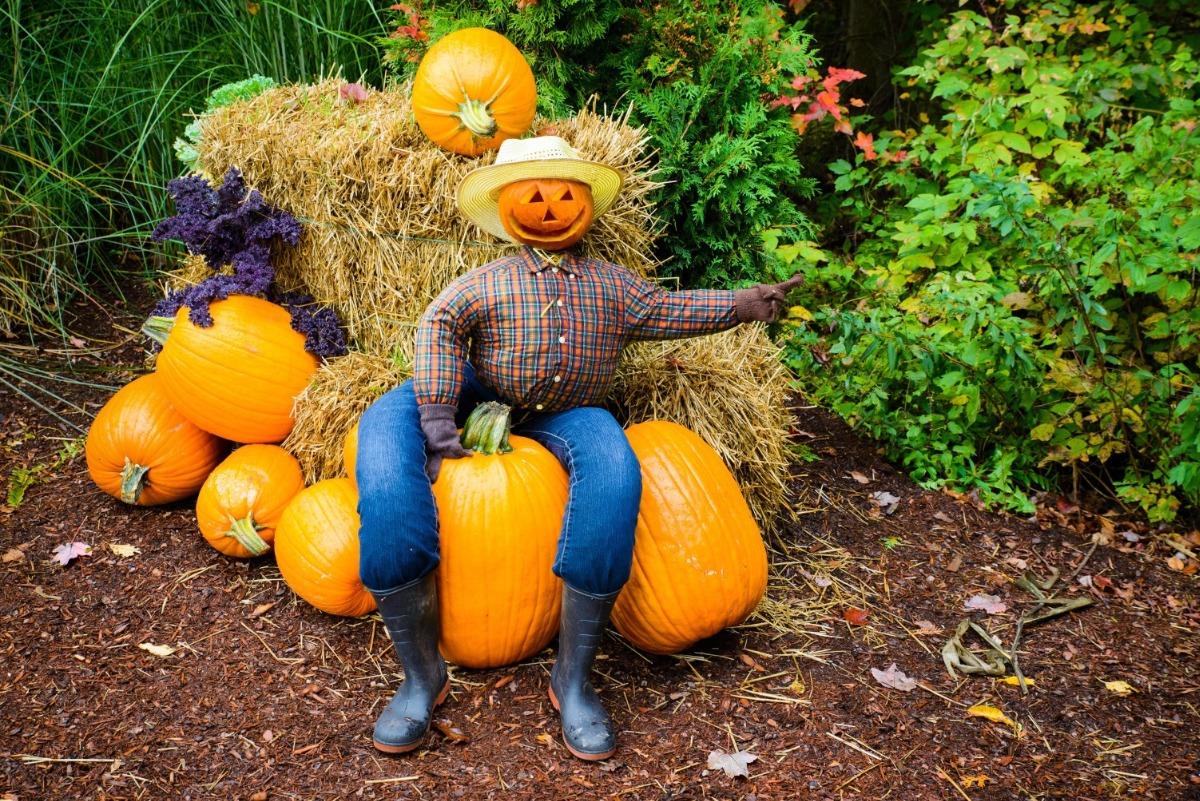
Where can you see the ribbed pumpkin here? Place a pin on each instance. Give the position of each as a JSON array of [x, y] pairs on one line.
[[699, 562], [548, 213], [243, 498], [473, 89], [316, 548], [350, 452], [500, 512], [141, 450], [238, 377]]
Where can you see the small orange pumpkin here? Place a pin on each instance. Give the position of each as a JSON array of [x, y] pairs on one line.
[[473, 89], [243, 498], [316, 548], [500, 512], [141, 450], [238, 377], [699, 562], [548, 213]]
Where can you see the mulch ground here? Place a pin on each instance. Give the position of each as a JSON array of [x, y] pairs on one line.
[[264, 697]]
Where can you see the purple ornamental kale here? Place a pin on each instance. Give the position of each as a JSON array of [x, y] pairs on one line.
[[323, 335], [227, 225], [197, 298]]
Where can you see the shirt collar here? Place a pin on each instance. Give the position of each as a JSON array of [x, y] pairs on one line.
[[538, 260]]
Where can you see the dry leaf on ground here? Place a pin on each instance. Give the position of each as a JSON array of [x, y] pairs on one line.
[[121, 549], [1119, 687], [734, 764], [67, 551], [157, 650], [988, 603], [895, 678]]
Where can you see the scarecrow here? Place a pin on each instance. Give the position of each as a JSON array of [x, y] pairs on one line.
[[542, 331]]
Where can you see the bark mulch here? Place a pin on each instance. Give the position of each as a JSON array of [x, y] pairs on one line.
[[264, 697]]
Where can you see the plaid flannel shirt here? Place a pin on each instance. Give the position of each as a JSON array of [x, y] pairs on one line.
[[547, 334]]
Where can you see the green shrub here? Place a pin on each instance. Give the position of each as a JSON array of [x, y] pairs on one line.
[[1018, 292], [698, 75]]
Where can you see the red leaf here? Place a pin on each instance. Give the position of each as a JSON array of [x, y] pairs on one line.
[[839, 75], [828, 100], [855, 616], [800, 81], [866, 143]]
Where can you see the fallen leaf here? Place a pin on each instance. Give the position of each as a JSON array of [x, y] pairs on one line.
[[1013, 681], [988, 603], [928, 627], [262, 609], [976, 780], [13, 555], [352, 92], [798, 686], [751, 662], [895, 678], [942, 516], [450, 731], [76, 342], [1119, 687], [955, 563], [991, 713], [855, 616], [734, 764], [261, 795], [1175, 563], [885, 501], [157, 650], [120, 549], [503, 681], [859, 477], [64, 553], [545, 739]]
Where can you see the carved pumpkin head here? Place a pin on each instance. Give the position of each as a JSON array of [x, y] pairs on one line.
[[548, 213]]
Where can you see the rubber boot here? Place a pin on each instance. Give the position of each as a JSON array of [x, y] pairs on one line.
[[411, 616], [587, 728]]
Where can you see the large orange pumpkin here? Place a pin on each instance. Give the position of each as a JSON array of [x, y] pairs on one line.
[[500, 512], [473, 89], [238, 377], [316, 548], [699, 562], [243, 498], [141, 450], [549, 213]]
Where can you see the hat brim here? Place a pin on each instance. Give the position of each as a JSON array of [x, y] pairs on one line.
[[479, 192]]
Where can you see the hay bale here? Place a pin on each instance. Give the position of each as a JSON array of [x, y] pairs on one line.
[[328, 408], [732, 390], [729, 388], [382, 233]]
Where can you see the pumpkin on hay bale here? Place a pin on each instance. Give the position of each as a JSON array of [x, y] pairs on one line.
[[382, 235]]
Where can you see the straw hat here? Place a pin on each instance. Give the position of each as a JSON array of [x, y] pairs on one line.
[[539, 157]]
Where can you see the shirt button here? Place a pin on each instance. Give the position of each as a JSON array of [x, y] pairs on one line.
[[558, 303], [557, 378], [539, 407], [554, 269], [562, 340]]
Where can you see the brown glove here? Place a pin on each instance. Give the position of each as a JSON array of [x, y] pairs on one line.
[[441, 436], [763, 303]]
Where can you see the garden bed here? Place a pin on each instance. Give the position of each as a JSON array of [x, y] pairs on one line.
[[264, 697]]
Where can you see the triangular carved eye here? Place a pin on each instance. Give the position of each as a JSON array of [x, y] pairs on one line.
[[537, 197], [567, 194]]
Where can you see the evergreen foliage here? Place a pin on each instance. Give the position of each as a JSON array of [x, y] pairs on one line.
[[698, 75]]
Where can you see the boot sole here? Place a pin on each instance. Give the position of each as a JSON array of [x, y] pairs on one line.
[[405, 748], [584, 755]]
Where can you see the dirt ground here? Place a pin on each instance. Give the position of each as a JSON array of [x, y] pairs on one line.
[[264, 697]]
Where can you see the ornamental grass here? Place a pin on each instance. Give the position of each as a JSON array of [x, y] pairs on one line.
[[382, 237]]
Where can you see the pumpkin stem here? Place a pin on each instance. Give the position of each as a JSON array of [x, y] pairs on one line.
[[245, 531], [476, 118], [487, 429], [158, 328], [133, 481]]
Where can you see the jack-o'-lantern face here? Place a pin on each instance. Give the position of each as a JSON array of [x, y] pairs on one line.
[[547, 213]]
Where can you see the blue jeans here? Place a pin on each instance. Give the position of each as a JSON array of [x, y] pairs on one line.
[[398, 538]]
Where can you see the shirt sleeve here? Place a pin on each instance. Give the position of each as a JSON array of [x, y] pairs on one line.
[[442, 336], [652, 312]]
